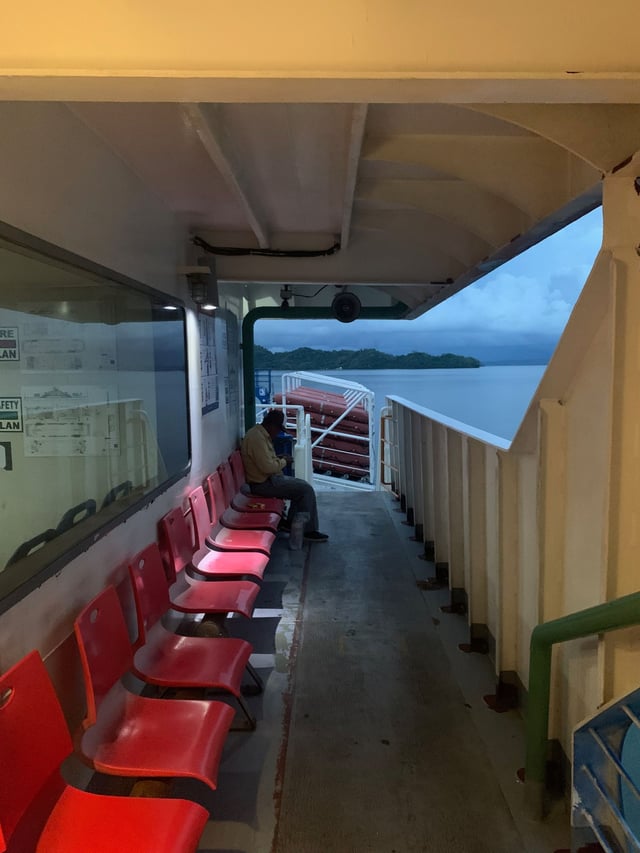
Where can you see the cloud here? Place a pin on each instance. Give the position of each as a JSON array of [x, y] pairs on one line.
[[522, 306]]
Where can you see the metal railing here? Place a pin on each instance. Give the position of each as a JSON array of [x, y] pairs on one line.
[[356, 397], [388, 466]]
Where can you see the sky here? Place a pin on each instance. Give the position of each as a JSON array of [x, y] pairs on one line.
[[514, 314]]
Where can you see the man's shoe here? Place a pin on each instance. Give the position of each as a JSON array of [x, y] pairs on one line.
[[315, 536]]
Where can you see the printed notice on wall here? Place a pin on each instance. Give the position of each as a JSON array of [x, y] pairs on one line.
[[10, 414], [9, 346], [49, 345], [208, 364], [70, 420]]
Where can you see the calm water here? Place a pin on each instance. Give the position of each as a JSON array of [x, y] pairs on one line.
[[489, 398]]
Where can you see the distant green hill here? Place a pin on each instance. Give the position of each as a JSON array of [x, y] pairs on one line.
[[305, 358]]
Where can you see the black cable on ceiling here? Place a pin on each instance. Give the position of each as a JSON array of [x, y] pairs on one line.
[[310, 295], [267, 253]]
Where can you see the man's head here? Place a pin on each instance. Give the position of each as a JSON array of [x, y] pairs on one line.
[[273, 422]]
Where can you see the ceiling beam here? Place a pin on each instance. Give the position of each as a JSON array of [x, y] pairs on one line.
[[213, 136], [601, 134], [358, 122], [123, 85]]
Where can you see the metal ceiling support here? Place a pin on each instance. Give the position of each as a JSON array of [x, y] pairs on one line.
[[504, 166], [392, 312], [483, 214], [211, 131], [358, 122], [601, 135]]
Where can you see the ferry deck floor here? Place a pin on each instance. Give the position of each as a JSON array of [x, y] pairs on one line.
[[372, 731]]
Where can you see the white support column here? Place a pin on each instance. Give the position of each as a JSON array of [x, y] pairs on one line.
[[476, 549], [394, 450], [401, 415], [621, 211], [407, 461], [455, 516], [411, 465], [428, 480], [492, 535], [507, 591], [552, 506], [527, 564], [418, 487], [440, 493]]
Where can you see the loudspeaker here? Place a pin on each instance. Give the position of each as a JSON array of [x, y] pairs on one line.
[[346, 307]]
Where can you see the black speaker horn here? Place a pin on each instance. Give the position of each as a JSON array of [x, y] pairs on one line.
[[346, 307]]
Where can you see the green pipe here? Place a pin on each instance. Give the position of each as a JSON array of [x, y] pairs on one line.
[[393, 312], [621, 613]]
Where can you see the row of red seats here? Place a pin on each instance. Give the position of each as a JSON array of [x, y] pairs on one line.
[[127, 734]]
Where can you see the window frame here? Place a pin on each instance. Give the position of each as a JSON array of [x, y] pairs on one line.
[[44, 567]]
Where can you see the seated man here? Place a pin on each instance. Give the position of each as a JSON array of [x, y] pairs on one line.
[[263, 470]]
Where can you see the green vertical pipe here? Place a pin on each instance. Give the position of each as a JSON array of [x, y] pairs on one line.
[[621, 613], [393, 312]]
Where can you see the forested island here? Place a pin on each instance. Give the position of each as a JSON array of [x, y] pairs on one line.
[[305, 358]]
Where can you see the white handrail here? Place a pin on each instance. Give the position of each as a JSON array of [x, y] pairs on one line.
[[354, 395]]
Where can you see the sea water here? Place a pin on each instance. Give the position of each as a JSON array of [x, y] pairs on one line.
[[493, 398]]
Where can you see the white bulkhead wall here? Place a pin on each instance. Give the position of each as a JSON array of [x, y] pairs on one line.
[[578, 506], [62, 184], [590, 466], [556, 513]]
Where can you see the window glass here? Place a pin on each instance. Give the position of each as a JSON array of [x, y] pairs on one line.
[[93, 407]]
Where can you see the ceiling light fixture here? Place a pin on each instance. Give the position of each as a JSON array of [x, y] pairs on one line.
[[203, 285]]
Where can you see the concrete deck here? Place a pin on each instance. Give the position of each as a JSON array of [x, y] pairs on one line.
[[372, 731]]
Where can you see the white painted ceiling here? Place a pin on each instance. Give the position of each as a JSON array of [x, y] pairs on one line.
[[419, 199]]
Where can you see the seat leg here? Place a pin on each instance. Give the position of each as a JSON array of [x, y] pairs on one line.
[[249, 724], [257, 687]]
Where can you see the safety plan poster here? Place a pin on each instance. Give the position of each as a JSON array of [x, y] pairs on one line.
[[208, 364]]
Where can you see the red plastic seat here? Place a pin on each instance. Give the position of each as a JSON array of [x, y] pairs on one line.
[[213, 565], [243, 499], [172, 660], [130, 735], [233, 518], [40, 812], [213, 535], [265, 518]]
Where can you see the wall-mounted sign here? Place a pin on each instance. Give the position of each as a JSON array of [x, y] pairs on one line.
[[208, 364], [10, 414], [9, 346]]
